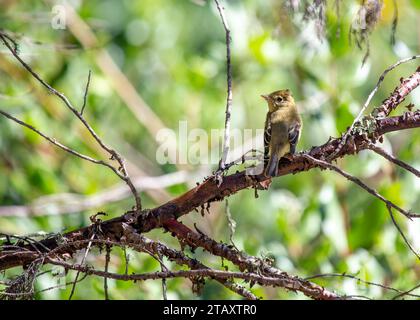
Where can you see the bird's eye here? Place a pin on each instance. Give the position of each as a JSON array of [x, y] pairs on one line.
[[279, 99]]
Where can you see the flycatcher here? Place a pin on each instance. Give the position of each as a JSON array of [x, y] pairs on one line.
[[282, 129]]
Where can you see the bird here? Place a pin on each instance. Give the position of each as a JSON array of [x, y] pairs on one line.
[[282, 129]]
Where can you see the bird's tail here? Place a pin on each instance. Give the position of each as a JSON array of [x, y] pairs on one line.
[[273, 166]]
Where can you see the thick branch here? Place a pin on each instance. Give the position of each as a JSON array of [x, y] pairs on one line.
[[209, 191]]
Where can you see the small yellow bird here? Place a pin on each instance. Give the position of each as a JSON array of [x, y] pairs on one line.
[[282, 129]]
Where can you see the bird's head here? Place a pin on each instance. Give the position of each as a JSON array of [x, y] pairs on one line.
[[279, 99]]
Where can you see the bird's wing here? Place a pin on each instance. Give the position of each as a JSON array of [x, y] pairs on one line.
[[294, 133], [267, 138]]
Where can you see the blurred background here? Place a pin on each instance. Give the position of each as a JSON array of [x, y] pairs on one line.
[[155, 63]]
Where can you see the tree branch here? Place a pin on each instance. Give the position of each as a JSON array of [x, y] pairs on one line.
[[391, 158], [138, 241], [86, 93], [208, 191], [209, 273], [369, 283], [226, 139], [398, 96], [247, 263], [359, 182]]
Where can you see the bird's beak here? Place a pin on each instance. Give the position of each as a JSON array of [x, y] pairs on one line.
[[266, 97]]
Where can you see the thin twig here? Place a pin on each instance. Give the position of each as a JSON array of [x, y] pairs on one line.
[[32, 242], [113, 153], [31, 293], [86, 93], [107, 259], [394, 22], [369, 99], [359, 182], [245, 157], [401, 232], [391, 158], [405, 293], [350, 276], [164, 289], [163, 268], [226, 139], [231, 223], [60, 145], [61, 285], [81, 264], [158, 257], [126, 260]]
